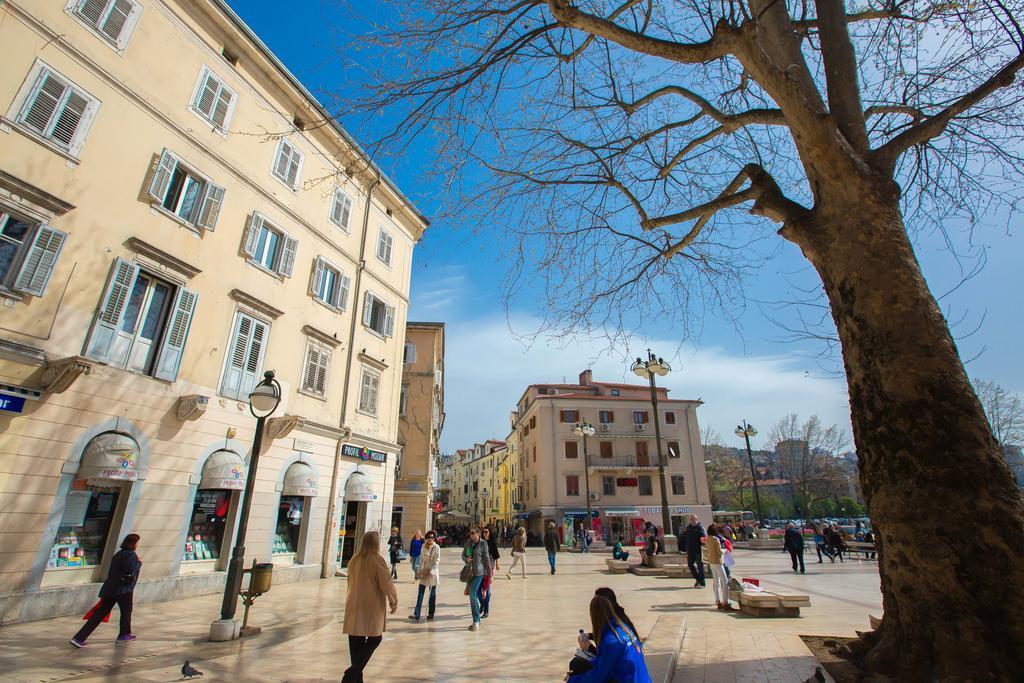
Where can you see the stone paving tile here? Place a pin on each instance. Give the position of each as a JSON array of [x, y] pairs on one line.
[[529, 636]]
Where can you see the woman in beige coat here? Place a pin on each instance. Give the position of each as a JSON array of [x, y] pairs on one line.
[[370, 591]]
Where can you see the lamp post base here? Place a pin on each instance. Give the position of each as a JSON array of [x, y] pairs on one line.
[[224, 629], [671, 544]]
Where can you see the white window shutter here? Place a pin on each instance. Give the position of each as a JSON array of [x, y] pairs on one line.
[[344, 285], [38, 266], [178, 326], [69, 119], [207, 97], [222, 107], [283, 161], [286, 263], [240, 338], [252, 234], [129, 25], [318, 276], [112, 304], [113, 26], [374, 392], [322, 368], [42, 104], [210, 210], [92, 10], [254, 358], [312, 364], [389, 321], [367, 309], [364, 392], [162, 174]]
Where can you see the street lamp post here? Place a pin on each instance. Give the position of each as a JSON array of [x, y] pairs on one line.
[[746, 431], [263, 401], [483, 497], [650, 368], [586, 429]]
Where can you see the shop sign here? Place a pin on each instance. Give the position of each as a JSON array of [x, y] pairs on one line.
[[626, 481], [303, 445], [353, 451], [117, 474], [309, 487], [12, 404], [437, 507], [235, 479], [656, 509]]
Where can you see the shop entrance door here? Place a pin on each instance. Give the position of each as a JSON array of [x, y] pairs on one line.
[[353, 516]]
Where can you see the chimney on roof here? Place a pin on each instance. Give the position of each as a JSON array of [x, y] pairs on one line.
[[586, 378]]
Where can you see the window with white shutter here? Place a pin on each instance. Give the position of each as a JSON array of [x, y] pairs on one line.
[[329, 285], [385, 245], [341, 209], [317, 365], [369, 391], [213, 100], [288, 164], [378, 315], [268, 246], [409, 355], [244, 364], [403, 401], [57, 110], [184, 192], [28, 253], [112, 20]]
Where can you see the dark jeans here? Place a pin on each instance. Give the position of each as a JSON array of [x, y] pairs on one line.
[[485, 600], [696, 566], [360, 649], [551, 560], [394, 569], [124, 604], [797, 555], [431, 604]]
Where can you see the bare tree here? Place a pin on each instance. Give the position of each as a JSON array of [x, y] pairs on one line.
[[1004, 410], [617, 140], [806, 454]]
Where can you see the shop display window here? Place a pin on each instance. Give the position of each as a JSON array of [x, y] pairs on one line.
[[289, 525], [206, 528], [84, 527]]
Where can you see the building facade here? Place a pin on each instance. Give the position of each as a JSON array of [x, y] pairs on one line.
[[616, 470], [421, 411], [179, 215]]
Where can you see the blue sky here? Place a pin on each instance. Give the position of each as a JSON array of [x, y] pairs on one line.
[[746, 371]]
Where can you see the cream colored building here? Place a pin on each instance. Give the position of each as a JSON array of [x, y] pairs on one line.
[[620, 467], [177, 216], [421, 408]]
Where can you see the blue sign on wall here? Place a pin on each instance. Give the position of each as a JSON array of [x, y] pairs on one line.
[[12, 404]]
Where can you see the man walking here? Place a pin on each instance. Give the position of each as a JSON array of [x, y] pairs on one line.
[[551, 544], [692, 536], [794, 543]]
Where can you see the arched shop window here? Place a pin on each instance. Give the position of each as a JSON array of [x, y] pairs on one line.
[[300, 487], [94, 506], [213, 512]]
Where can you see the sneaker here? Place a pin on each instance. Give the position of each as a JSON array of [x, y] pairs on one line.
[[484, 615], [127, 638], [508, 575], [474, 626], [77, 643]]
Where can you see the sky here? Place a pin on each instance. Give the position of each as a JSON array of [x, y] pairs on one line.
[[743, 369]]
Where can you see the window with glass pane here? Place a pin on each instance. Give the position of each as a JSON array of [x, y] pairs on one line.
[[184, 194], [84, 528], [605, 417], [644, 484], [267, 245], [15, 235], [328, 286], [670, 418], [678, 485], [639, 416], [206, 525], [572, 485], [289, 525], [606, 449], [673, 449], [142, 324], [608, 485]]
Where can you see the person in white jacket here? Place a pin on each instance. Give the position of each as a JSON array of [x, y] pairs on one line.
[[428, 574]]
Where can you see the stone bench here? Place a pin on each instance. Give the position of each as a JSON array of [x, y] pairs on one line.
[[768, 604], [641, 570], [676, 571], [661, 647], [617, 566]]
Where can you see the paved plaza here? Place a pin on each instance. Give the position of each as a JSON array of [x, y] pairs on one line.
[[529, 636]]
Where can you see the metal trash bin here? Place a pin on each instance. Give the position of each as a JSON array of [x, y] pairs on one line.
[[260, 576]]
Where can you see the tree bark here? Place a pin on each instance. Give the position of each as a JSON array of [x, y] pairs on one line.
[[949, 518]]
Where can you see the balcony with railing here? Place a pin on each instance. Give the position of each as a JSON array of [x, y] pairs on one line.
[[622, 462]]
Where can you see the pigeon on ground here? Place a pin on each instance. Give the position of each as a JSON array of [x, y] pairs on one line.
[[188, 671], [818, 677]]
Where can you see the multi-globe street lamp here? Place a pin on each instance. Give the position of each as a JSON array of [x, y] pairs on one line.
[[655, 366], [586, 429], [263, 401], [746, 431]]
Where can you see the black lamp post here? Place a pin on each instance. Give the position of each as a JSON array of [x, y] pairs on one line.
[[650, 368], [586, 429], [263, 401], [746, 431]]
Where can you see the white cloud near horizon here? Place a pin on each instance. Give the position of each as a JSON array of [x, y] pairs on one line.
[[488, 368]]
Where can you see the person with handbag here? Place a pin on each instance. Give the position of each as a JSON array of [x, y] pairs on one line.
[[477, 558], [428, 573], [395, 550], [118, 589], [518, 552], [485, 586], [716, 559], [369, 594]]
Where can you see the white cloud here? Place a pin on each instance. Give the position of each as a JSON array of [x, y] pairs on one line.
[[440, 295], [488, 369]]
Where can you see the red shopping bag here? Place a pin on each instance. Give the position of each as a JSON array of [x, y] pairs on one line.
[[92, 611], [756, 582]]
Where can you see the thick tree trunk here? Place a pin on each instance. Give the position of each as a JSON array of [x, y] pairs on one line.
[[950, 519]]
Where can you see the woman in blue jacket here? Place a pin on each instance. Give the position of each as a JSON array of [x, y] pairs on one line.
[[620, 656], [118, 589]]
